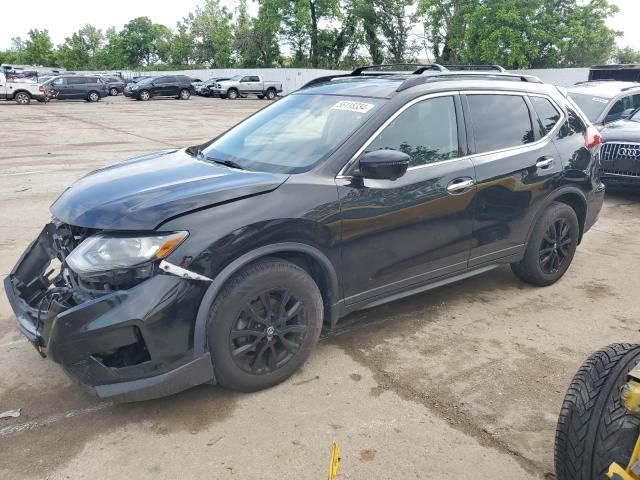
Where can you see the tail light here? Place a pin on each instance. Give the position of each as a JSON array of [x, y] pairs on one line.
[[592, 137], [41, 88]]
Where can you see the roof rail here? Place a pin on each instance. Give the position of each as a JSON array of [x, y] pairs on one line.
[[475, 67], [499, 76], [428, 66], [596, 80], [630, 88], [360, 71]]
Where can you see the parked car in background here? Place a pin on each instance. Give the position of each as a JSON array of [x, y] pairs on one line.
[[245, 85], [203, 90], [222, 262], [629, 72], [76, 87], [613, 107], [130, 85], [177, 86], [20, 89], [114, 84], [605, 101]]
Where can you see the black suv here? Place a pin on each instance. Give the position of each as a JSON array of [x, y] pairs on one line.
[[76, 87], [222, 262], [177, 86], [614, 107]]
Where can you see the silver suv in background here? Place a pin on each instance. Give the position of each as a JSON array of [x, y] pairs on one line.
[[245, 85]]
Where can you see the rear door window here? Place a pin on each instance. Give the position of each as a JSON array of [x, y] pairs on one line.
[[547, 114], [499, 121]]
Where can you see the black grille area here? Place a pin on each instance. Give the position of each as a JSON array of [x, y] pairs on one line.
[[620, 158]]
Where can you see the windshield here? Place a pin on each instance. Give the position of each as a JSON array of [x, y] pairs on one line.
[[636, 116], [590, 105], [145, 81], [293, 134], [236, 78]]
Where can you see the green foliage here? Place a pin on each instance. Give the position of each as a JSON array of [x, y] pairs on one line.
[[627, 55], [342, 34]]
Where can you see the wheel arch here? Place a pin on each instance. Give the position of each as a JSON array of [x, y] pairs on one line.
[[21, 90], [572, 196], [315, 262]]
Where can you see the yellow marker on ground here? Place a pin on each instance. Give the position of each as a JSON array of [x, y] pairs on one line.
[[334, 464]]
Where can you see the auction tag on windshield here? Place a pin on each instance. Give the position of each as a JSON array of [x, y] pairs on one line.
[[350, 106]]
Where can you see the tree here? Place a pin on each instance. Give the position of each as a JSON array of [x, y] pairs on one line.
[[181, 51], [143, 42], [264, 33], [366, 12], [396, 23], [627, 55], [38, 48], [212, 33], [80, 51]]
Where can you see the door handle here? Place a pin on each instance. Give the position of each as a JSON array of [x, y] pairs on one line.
[[544, 162], [459, 185]]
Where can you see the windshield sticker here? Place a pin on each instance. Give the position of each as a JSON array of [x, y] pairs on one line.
[[349, 106], [599, 100]]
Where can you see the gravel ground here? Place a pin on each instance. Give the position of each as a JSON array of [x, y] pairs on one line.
[[465, 381]]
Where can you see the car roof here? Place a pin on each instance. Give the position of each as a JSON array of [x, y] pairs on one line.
[[603, 88], [389, 85]]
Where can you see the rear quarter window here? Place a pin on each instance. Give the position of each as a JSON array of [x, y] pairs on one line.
[[499, 121], [548, 115]]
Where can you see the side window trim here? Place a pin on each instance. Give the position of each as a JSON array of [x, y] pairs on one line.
[[539, 140], [347, 169]]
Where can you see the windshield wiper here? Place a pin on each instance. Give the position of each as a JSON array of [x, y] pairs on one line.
[[227, 163]]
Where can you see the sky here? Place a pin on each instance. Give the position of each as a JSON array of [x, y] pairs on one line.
[[67, 16]]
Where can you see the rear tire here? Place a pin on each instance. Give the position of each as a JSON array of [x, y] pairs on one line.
[[279, 307], [271, 94], [184, 94], [93, 96], [594, 429], [551, 247], [22, 98]]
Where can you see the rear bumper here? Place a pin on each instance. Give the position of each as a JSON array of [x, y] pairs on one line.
[[125, 345]]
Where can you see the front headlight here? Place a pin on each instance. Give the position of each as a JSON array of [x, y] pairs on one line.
[[102, 253]]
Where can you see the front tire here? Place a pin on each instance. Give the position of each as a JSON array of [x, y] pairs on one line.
[[144, 95], [264, 325], [113, 92], [232, 94], [551, 247], [594, 429], [22, 98]]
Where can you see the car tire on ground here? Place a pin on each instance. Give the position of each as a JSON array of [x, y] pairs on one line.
[[223, 96], [113, 92], [264, 324], [184, 94], [232, 94], [260, 96], [144, 95], [93, 96], [271, 94], [22, 98], [594, 429], [551, 247]]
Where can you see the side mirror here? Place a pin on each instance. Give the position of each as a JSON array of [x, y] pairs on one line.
[[627, 113], [383, 165]]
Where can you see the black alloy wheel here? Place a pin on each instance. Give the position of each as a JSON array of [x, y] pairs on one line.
[[268, 332], [555, 247]]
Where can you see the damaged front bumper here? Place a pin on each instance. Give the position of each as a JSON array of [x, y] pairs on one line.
[[125, 344]]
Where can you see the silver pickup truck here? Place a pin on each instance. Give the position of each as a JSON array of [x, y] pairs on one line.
[[244, 85]]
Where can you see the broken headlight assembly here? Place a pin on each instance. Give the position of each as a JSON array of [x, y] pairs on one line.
[[116, 261]]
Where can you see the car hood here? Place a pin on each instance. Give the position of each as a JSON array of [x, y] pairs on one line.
[[143, 192], [621, 131]]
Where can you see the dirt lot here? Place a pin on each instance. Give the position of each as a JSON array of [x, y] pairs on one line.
[[461, 382]]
